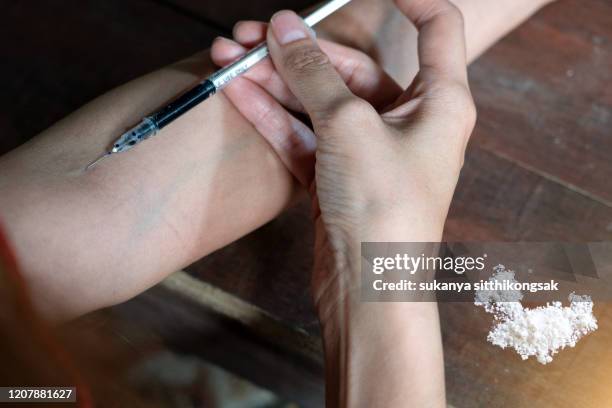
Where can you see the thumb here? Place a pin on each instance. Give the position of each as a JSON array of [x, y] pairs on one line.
[[306, 69]]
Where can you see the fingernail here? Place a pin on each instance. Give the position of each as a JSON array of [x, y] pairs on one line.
[[288, 27]]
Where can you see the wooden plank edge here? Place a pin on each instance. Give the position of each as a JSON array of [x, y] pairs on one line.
[[261, 323]]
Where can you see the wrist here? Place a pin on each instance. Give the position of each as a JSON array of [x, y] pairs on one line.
[[358, 337], [336, 280]]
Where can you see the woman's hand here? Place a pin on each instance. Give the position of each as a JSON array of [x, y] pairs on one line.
[[387, 163], [386, 176], [263, 97]]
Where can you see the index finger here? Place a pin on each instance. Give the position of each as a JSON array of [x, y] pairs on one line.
[[441, 45]]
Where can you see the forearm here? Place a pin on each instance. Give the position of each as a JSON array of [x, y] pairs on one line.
[[376, 27], [486, 22], [390, 354], [385, 355], [206, 180], [89, 239], [379, 354]]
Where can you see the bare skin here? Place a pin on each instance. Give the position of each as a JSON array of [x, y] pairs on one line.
[[387, 354], [364, 161], [86, 240], [376, 27], [91, 239]]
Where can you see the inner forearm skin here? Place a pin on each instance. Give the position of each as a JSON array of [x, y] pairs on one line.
[[375, 26], [378, 354], [90, 239], [385, 355]]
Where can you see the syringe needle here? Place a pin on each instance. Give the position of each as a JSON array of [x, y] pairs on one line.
[[153, 123], [93, 163]]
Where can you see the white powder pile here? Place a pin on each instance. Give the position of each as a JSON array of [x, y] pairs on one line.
[[539, 332]]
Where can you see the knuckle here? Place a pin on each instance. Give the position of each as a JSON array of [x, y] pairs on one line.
[[471, 114], [448, 11], [265, 114], [454, 13], [355, 107], [457, 100], [453, 101], [306, 59], [424, 11], [351, 108], [348, 111]]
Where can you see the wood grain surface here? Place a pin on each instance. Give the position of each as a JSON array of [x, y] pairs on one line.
[[539, 168], [543, 100]]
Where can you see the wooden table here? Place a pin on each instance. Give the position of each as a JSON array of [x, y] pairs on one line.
[[538, 168]]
